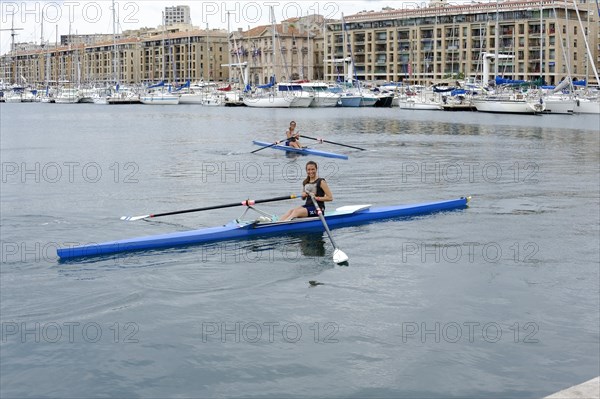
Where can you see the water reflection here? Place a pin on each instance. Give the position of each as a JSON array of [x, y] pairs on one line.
[[312, 245]]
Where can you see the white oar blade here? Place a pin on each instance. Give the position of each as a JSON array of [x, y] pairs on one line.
[[132, 218], [339, 256]]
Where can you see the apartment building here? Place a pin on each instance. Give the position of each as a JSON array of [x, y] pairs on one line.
[[177, 15], [291, 50], [172, 55], [421, 45], [179, 56]]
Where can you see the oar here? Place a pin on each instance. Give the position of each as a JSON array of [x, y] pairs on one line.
[[208, 208], [338, 255], [332, 142], [270, 145]]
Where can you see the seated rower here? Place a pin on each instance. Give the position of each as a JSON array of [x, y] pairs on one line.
[[293, 138], [312, 185]]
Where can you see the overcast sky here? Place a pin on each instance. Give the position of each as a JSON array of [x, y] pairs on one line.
[[96, 16]]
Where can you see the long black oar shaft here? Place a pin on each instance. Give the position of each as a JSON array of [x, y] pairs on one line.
[[332, 142], [208, 208], [270, 145]]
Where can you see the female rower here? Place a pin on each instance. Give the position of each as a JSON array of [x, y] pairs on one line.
[[312, 185], [293, 138]]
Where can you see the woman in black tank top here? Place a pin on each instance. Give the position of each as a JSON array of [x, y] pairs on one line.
[[293, 138], [315, 185]]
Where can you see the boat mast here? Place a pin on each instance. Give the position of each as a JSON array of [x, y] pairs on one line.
[[72, 72], [587, 45], [13, 50], [496, 35], [308, 27], [189, 58], [58, 63], [229, 49], [163, 47], [347, 51], [115, 61], [542, 42], [274, 54], [78, 64], [42, 48], [207, 61]]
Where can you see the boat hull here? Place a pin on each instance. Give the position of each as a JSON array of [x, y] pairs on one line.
[[324, 100], [267, 102], [509, 106], [159, 100], [423, 105], [559, 105], [585, 106], [349, 101], [304, 151], [247, 230]]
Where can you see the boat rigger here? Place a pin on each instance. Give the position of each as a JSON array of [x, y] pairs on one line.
[[303, 151], [239, 230]]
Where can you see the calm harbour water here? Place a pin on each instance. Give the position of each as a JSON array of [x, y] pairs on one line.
[[499, 300]]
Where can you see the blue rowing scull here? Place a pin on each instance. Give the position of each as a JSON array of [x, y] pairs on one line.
[[239, 230], [303, 151]]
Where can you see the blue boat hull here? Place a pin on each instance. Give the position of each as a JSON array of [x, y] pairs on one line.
[[245, 230], [304, 151]]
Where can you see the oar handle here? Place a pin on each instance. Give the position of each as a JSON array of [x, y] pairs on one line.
[[333, 142]]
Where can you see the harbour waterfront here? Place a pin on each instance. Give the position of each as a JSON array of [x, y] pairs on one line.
[[498, 300]]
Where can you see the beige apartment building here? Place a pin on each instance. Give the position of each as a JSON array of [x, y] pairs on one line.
[[173, 55], [421, 45], [297, 53], [177, 53]]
